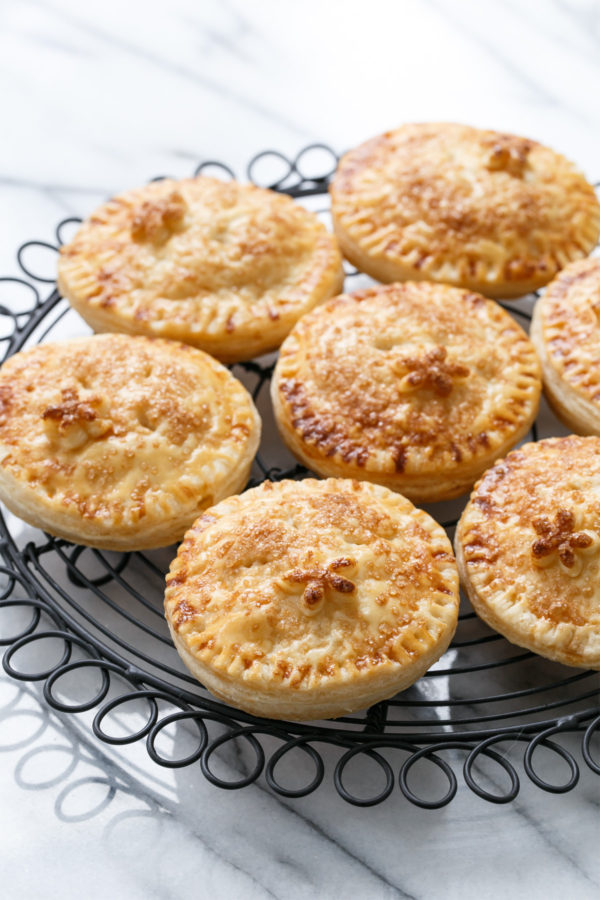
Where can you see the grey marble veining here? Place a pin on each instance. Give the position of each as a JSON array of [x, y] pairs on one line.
[[158, 833], [98, 97]]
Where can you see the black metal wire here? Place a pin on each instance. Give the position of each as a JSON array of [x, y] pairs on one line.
[[483, 692]]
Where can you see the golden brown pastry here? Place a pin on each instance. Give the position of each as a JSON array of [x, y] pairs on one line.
[[528, 549], [309, 599], [226, 267], [491, 212], [566, 334], [416, 386], [117, 441]]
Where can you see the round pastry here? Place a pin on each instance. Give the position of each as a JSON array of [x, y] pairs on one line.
[[566, 334], [311, 599], [528, 549], [118, 442], [226, 267], [481, 210], [416, 386]]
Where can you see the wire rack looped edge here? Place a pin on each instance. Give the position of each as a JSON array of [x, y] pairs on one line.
[[267, 743]]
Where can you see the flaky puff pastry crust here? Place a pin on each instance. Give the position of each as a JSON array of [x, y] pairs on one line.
[[491, 212], [226, 267], [118, 441], [565, 331], [528, 549], [416, 386], [312, 599]]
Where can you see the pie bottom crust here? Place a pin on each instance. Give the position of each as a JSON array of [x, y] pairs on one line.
[[388, 271], [244, 344], [38, 512], [427, 490], [547, 639], [324, 703], [575, 411]]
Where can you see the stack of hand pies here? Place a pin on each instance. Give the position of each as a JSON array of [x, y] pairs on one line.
[[315, 598]]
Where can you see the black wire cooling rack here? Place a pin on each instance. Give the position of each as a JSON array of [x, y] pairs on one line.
[[486, 707]]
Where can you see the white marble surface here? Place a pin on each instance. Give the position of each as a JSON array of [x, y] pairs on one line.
[[99, 96]]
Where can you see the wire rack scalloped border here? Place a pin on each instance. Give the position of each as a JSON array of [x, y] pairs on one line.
[[49, 621]]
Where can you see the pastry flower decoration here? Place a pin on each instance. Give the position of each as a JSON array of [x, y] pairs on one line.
[[320, 578], [155, 222], [509, 154], [432, 370], [559, 540], [74, 420]]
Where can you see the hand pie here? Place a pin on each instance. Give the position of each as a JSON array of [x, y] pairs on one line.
[[310, 599], [528, 549], [118, 442], [416, 386], [566, 334], [481, 210], [226, 267]]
